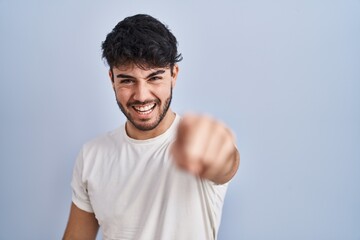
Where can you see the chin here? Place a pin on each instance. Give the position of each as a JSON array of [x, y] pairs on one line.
[[145, 127]]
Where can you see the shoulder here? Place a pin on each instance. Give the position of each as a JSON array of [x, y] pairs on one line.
[[104, 142]]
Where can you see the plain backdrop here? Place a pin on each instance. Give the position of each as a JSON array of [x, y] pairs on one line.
[[284, 75]]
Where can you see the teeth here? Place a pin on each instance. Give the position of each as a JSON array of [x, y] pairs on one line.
[[144, 109]]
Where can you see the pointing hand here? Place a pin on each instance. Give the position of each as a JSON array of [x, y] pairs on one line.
[[205, 147]]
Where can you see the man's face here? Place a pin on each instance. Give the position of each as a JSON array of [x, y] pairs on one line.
[[143, 96]]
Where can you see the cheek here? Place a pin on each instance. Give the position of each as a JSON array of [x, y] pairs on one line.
[[164, 92], [122, 96]]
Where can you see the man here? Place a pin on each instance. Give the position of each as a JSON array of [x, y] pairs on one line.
[[159, 176]]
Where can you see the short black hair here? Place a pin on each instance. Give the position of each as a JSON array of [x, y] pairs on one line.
[[141, 40]]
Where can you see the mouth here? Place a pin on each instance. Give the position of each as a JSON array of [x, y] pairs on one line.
[[144, 109]]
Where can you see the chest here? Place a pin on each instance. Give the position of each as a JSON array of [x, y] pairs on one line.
[[130, 182]]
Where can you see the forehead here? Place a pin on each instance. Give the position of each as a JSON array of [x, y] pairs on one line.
[[134, 69]]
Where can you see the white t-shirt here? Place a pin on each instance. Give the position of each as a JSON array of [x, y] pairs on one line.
[[137, 192]]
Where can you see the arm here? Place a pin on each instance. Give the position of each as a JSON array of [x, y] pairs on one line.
[[226, 171], [206, 148], [81, 225]]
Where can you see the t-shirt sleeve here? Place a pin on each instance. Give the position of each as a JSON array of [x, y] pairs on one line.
[[215, 195], [80, 196]]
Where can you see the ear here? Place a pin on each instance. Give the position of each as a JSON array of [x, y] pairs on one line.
[[111, 76], [175, 73]]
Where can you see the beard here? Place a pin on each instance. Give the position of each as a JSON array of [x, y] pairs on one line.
[[146, 126]]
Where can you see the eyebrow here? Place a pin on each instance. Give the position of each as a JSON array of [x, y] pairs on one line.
[[148, 76]]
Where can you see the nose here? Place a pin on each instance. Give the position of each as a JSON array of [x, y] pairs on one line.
[[141, 92]]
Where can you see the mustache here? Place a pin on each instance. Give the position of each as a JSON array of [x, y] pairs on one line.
[[134, 103]]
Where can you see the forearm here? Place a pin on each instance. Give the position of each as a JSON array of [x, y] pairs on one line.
[[227, 170]]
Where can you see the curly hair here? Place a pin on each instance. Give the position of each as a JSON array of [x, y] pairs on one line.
[[141, 40]]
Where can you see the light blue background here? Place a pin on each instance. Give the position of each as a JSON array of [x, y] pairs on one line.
[[284, 75]]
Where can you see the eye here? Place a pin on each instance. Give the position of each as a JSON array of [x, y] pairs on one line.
[[126, 81], [154, 78]]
